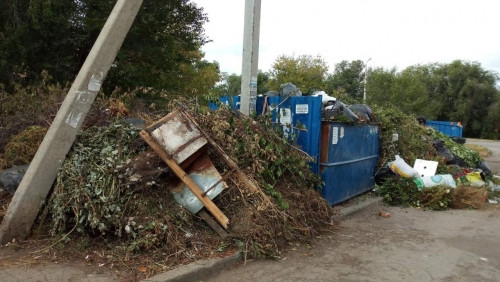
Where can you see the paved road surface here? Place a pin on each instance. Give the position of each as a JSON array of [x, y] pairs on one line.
[[494, 146], [411, 245]]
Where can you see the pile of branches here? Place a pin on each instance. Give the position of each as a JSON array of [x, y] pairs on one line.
[[297, 211], [418, 142], [113, 187]]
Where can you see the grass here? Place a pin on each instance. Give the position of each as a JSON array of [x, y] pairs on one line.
[[482, 151]]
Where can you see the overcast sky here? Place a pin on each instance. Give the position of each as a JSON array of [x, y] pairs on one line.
[[394, 33]]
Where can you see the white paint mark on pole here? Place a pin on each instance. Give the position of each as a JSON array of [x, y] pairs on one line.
[[95, 82], [74, 118]]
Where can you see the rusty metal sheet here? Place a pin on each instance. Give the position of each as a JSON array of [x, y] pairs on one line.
[[204, 174], [179, 137]]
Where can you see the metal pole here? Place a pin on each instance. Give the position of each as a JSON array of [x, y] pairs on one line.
[[38, 180], [250, 56], [364, 82]]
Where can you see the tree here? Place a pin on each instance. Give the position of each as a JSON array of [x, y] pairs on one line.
[[379, 85], [39, 35], [161, 48], [459, 91], [306, 72], [348, 76], [262, 79], [231, 84], [471, 91]]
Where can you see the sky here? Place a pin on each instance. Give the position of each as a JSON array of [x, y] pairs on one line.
[[393, 33]]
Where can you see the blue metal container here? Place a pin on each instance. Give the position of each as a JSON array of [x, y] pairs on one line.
[[226, 101], [450, 128], [300, 120], [349, 156]]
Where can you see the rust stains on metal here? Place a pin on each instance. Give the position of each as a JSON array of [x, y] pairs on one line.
[[325, 143]]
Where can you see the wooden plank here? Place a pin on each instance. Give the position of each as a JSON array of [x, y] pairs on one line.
[[230, 163], [210, 221], [223, 178], [192, 186], [162, 121]]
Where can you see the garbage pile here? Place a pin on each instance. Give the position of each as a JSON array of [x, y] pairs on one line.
[[334, 109], [445, 174], [113, 188]]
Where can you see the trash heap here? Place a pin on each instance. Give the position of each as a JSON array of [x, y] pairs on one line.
[[113, 188], [445, 174]]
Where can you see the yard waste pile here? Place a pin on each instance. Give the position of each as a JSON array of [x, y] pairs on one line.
[[461, 180], [112, 188]]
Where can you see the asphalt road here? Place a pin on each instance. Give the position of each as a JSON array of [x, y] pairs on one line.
[[410, 245], [492, 145]]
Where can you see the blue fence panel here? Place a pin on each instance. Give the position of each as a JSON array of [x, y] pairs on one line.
[[450, 128], [349, 156]]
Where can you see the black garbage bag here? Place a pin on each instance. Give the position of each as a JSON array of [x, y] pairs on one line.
[[458, 140], [289, 89], [341, 107], [485, 168], [364, 112], [11, 177], [459, 161], [443, 151], [383, 174]]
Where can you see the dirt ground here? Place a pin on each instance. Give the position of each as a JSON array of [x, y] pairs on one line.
[[410, 245]]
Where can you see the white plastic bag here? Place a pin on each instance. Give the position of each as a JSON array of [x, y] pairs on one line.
[[438, 179], [400, 167]]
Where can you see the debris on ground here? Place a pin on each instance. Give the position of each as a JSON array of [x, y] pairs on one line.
[[384, 214], [459, 172], [113, 189], [11, 177]]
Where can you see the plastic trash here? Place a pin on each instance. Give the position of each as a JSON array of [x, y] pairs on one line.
[[443, 151], [364, 112], [425, 168], [289, 89], [11, 177], [484, 167], [400, 167], [325, 98], [475, 179], [435, 180], [383, 174], [340, 107]]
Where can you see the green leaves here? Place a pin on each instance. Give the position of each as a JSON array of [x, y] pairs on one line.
[[88, 190], [305, 71]]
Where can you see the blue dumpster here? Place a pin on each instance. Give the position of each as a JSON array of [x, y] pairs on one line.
[[349, 156], [450, 128], [300, 118], [226, 101]]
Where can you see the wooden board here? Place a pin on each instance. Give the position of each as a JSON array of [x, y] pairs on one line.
[[211, 207]]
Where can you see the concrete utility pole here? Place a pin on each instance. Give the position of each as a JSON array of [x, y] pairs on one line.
[[249, 68], [42, 171]]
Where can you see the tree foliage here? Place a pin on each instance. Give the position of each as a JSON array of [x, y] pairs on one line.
[[306, 72], [458, 91], [348, 76], [161, 50], [231, 84]]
